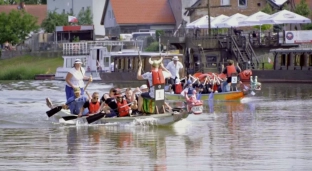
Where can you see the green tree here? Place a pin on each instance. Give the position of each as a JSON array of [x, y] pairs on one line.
[[12, 2], [303, 9], [54, 19], [16, 26], [85, 17]]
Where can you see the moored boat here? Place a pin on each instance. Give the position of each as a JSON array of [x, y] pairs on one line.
[[154, 119]]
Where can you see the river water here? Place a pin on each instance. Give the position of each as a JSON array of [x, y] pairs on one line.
[[268, 131]]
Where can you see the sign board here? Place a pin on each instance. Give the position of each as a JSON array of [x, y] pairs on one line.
[[298, 37], [234, 80]]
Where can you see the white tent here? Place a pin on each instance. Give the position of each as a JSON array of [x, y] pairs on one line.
[[254, 19], [285, 17], [232, 21], [213, 22], [200, 21]]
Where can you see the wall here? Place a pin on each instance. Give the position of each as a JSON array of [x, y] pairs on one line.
[[176, 7], [98, 7], [252, 7]]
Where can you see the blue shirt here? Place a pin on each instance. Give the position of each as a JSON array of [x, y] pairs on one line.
[[75, 104]]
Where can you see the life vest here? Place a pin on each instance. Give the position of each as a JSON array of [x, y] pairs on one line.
[[157, 78], [215, 87], [230, 70], [178, 88], [245, 75], [123, 108], [93, 108]]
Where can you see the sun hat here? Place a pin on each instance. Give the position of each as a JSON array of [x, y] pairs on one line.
[[78, 61], [76, 89], [144, 86], [175, 58]]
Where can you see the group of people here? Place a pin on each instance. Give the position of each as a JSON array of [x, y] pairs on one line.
[[116, 103], [206, 84], [126, 102]]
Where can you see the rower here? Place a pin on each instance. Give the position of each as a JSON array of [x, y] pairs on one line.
[[155, 82], [92, 105], [229, 70]]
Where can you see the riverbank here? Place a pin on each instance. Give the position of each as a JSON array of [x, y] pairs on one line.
[[26, 67]]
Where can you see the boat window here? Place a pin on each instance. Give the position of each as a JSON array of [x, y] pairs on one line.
[[130, 63], [106, 62], [310, 60]]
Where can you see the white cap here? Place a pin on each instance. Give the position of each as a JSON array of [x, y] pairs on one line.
[[177, 81], [144, 86], [78, 61], [175, 58]]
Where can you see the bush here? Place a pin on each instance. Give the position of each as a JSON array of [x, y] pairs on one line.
[[153, 47]]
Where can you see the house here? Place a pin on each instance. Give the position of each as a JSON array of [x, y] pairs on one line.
[[246, 7], [38, 11], [120, 16], [75, 6]]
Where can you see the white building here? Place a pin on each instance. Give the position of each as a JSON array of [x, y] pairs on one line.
[[76, 6]]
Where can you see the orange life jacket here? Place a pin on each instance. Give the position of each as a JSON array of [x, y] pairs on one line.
[[123, 108], [215, 87], [230, 70], [178, 88], [157, 78], [94, 107]]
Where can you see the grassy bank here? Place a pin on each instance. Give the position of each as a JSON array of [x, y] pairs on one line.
[[26, 67]]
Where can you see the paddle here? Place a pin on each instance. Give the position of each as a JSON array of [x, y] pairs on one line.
[[59, 108], [100, 115]]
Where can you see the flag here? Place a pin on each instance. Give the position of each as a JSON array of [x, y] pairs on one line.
[[72, 19], [269, 60]]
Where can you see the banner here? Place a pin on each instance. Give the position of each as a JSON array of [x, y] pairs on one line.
[[72, 19], [298, 37]]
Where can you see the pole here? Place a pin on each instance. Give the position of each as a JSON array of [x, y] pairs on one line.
[[209, 26]]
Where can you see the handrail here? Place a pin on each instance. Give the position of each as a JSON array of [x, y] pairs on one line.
[[238, 53], [251, 52]]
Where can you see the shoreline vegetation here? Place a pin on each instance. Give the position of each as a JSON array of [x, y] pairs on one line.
[[26, 67]]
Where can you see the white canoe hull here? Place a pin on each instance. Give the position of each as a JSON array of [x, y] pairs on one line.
[[155, 119]]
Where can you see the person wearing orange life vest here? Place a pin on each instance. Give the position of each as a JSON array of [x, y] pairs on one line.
[[228, 71], [122, 106], [157, 76], [178, 87], [92, 105]]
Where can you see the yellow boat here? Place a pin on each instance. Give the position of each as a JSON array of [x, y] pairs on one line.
[[232, 95]]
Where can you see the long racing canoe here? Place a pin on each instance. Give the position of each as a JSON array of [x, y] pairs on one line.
[[232, 95]]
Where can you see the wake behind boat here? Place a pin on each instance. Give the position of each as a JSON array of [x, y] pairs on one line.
[[154, 119]]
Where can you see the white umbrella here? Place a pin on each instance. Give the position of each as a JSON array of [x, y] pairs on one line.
[[213, 22], [254, 19], [232, 21], [285, 17], [199, 21]]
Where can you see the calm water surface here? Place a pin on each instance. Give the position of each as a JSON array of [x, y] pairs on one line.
[[269, 131]]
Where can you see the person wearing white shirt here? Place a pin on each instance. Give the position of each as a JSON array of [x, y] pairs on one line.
[[175, 67], [112, 67], [74, 79]]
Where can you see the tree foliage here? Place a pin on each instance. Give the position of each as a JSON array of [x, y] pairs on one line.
[[54, 19], [85, 17], [303, 9], [269, 10], [16, 26]]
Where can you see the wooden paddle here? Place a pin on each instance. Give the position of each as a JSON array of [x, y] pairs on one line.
[[59, 108]]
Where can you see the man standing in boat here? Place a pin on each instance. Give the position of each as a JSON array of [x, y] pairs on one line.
[[228, 71], [157, 76], [175, 67]]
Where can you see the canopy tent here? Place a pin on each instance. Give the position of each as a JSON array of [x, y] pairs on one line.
[[213, 22], [285, 17], [254, 19], [200, 21], [232, 21]]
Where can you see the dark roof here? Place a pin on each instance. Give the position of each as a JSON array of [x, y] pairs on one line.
[[140, 12], [38, 11]]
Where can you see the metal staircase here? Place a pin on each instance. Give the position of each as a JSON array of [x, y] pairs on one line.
[[241, 49]]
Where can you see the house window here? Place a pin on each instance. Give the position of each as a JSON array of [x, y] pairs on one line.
[[225, 2], [242, 3]]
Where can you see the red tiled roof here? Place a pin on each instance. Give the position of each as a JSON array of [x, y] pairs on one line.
[[141, 11], [38, 11]]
